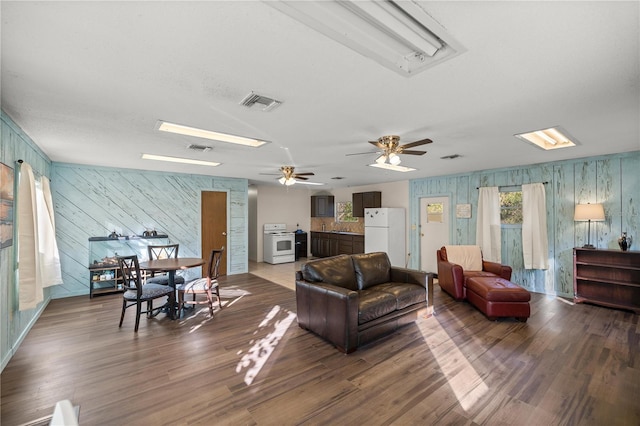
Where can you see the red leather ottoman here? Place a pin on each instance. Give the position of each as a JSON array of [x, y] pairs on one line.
[[497, 297]]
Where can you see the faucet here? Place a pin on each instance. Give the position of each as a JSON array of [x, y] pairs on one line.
[[323, 227]]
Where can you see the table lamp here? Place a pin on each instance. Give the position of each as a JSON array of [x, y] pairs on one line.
[[589, 212]]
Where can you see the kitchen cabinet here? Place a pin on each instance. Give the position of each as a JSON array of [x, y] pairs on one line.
[[322, 206], [325, 244], [301, 245], [607, 277], [365, 200]]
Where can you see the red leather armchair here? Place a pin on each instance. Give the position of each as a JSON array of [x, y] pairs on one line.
[[452, 277]]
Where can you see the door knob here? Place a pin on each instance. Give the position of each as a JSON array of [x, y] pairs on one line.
[[224, 233]]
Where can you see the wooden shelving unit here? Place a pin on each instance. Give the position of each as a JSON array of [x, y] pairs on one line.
[[607, 277]]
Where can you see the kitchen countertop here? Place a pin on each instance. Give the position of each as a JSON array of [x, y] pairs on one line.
[[340, 232]]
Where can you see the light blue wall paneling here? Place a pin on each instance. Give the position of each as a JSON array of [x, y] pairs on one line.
[[94, 201], [612, 180], [14, 324]]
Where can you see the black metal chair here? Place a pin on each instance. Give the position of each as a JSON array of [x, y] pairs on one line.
[[135, 292], [206, 285], [168, 251]]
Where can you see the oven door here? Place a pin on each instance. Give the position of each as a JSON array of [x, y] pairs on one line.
[[283, 245]]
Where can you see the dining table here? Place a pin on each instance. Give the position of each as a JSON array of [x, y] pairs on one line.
[[170, 266]]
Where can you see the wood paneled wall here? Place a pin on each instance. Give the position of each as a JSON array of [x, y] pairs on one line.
[[94, 201], [14, 324], [612, 180]]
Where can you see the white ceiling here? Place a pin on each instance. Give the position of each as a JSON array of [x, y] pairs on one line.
[[88, 81]]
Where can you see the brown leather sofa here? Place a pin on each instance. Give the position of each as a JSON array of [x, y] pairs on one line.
[[452, 276], [351, 300]]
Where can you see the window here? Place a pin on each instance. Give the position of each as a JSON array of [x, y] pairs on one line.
[[344, 212], [434, 212], [511, 208]]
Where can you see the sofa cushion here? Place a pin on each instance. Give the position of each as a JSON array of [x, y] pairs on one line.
[[374, 304], [405, 294], [469, 257], [337, 270], [371, 269]]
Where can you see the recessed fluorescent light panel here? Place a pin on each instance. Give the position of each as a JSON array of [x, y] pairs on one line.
[[393, 167], [179, 160], [398, 34], [180, 129], [547, 139], [302, 182]]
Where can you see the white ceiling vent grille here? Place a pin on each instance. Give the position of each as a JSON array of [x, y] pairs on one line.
[[253, 98], [398, 34]]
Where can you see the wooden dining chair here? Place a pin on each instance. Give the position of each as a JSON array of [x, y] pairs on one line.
[[207, 285], [167, 251], [136, 293]]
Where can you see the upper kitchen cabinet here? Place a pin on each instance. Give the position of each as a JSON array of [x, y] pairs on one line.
[[365, 200], [322, 206]]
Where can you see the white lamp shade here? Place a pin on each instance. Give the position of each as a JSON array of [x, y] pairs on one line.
[[594, 212]]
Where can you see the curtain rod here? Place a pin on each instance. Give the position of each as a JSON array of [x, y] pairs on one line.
[[506, 186], [20, 161]]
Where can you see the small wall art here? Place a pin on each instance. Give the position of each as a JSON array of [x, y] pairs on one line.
[[463, 211]]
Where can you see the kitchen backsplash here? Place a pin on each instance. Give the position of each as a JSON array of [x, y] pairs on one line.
[[331, 225]]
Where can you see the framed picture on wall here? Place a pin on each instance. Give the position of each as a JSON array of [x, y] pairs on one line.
[[6, 206]]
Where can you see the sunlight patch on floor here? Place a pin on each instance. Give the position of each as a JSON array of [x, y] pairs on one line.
[[275, 325], [465, 383]]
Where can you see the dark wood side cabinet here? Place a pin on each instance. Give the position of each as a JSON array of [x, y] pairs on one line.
[[322, 206], [607, 277], [301, 245], [365, 200], [325, 244]]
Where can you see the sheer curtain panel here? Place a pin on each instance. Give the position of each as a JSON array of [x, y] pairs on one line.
[[535, 244], [488, 226]]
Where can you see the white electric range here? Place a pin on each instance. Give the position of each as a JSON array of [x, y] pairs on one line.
[[279, 244]]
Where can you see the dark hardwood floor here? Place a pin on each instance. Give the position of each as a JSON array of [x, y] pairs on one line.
[[252, 365]]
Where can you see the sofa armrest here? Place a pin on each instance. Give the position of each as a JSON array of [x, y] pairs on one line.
[[329, 311], [411, 276], [503, 271], [451, 279]]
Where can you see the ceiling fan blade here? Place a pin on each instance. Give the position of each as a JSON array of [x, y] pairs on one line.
[[416, 143], [378, 144], [413, 152], [270, 174], [303, 174], [361, 153], [300, 177]]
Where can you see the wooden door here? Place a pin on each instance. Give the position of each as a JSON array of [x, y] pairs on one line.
[[213, 222]]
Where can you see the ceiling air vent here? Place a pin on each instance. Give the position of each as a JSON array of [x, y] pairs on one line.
[[253, 98], [199, 148]]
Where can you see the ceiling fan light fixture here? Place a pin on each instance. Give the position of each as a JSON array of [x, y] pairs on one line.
[[394, 159], [381, 159], [165, 126]]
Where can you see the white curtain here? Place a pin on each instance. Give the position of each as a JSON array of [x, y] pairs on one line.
[[535, 244], [488, 225], [49, 256], [38, 258]]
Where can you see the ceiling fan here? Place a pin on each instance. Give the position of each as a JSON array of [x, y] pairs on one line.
[[289, 177], [391, 148]]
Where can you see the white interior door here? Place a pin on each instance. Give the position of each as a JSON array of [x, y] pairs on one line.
[[434, 230]]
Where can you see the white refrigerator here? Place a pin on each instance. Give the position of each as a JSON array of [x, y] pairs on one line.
[[384, 230]]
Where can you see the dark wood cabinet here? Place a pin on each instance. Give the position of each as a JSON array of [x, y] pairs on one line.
[[607, 277], [325, 244], [365, 200], [322, 206], [301, 245]]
